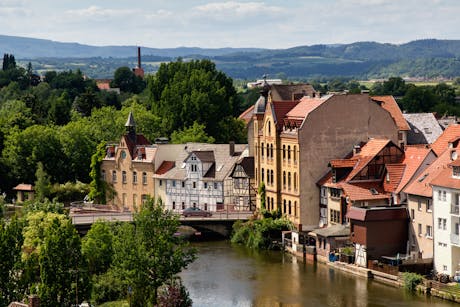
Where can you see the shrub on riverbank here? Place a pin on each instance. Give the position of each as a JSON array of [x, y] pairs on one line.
[[411, 280], [260, 234]]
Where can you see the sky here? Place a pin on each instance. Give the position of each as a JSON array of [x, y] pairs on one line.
[[274, 24]]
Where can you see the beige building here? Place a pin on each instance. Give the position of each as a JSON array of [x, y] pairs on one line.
[[128, 167], [294, 141]]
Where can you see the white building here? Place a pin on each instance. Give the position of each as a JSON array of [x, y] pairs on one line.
[[446, 218], [199, 177]]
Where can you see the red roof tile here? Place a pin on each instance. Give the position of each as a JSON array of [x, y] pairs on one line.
[[389, 104], [421, 184], [413, 159], [305, 106], [246, 116], [280, 109], [363, 191], [339, 163], [140, 141], [451, 133], [165, 167], [445, 179], [394, 175]]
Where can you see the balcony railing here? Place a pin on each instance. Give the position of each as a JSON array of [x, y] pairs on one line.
[[454, 239], [454, 209]]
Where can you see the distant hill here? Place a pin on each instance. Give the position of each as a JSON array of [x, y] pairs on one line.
[[362, 60]]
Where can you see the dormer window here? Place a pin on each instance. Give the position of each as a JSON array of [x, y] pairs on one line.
[[456, 171]]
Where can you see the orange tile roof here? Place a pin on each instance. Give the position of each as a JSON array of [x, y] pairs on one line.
[[421, 184], [451, 133], [280, 108], [389, 104], [339, 163], [23, 187], [413, 159], [305, 106], [455, 163], [165, 167], [362, 191], [445, 179], [394, 175], [246, 116]]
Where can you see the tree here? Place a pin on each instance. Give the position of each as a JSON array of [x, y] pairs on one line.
[[59, 111], [262, 197], [125, 79], [232, 129], [42, 184], [9, 62], [97, 185], [194, 133], [12, 284], [419, 99], [97, 247], [86, 101], [147, 254]]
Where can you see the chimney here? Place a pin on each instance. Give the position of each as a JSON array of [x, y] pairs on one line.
[[138, 57], [34, 301], [356, 149], [231, 146]]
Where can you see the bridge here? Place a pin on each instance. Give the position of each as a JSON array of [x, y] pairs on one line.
[[220, 222]]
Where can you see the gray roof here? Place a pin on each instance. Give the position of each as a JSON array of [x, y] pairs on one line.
[[259, 107], [425, 129], [333, 231], [130, 122], [223, 162]]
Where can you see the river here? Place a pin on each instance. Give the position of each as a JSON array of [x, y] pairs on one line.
[[228, 275]]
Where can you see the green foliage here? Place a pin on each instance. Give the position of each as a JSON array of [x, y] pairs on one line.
[[97, 186], [347, 251], [43, 206], [259, 234], [232, 129], [195, 133], [262, 195], [411, 280], [108, 287], [419, 99], [125, 79], [42, 184], [97, 247], [68, 192], [11, 280], [147, 254]]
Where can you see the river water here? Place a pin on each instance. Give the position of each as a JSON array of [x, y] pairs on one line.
[[228, 275]]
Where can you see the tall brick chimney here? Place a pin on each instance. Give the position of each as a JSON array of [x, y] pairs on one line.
[[138, 57], [34, 301]]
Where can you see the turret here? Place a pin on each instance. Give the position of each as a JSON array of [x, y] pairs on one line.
[[131, 128]]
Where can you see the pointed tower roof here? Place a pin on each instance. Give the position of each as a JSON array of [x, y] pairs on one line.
[[130, 122]]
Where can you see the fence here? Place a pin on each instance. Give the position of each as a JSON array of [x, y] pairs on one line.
[[382, 267]]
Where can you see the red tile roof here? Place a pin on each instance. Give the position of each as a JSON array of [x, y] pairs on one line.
[[305, 106], [420, 185], [445, 179], [363, 191], [343, 163], [413, 159], [140, 141], [389, 104], [165, 167], [246, 116], [24, 187], [280, 109], [451, 133], [395, 173]]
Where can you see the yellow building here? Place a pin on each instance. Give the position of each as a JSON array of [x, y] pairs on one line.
[[295, 139]]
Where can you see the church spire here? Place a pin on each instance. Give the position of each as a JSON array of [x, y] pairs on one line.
[[131, 127]]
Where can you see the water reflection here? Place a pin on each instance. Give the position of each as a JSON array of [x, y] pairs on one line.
[[226, 275]]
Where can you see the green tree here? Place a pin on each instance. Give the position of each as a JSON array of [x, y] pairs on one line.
[[125, 79], [262, 197], [9, 62], [12, 286], [419, 99], [97, 190], [147, 254], [97, 247], [86, 101], [59, 111], [231, 129], [42, 184], [194, 133]]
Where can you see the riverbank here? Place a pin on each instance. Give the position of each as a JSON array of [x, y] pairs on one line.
[[427, 288]]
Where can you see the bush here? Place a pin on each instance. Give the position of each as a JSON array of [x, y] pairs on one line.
[[411, 280], [174, 294], [69, 191], [107, 287]]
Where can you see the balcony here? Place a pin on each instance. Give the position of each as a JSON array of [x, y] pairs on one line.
[[454, 209], [454, 239]]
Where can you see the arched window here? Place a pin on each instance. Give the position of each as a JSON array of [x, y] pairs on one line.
[[144, 178], [268, 150], [271, 176], [262, 175], [268, 176], [284, 206], [289, 152], [284, 179], [271, 151], [289, 207], [123, 176], [289, 180], [284, 152], [295, 181], [269, 128], [135, 177], [114, 176]]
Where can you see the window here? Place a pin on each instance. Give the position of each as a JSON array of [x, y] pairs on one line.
[[269, 128], [420, 229], [123, 176], [271, 151], [216, 185], [262, 150], [444, 195], [294, 153], [456, 171], [271, 176], [135, 177], [419, 205], [183, 184], [284, 206], [183, 205], [284, 179], [262, 175], [429, 232], [439, 223], [335, 192], [335, 216], [268, 150], [444, 267], [439, 194], [144, 178], [289, 180], [144, 198], [194, 185], [295, 208], [295, 181], [205, 185], [114, 176], [289, 152], [193, 158], [444, 224], [161, 182], [103, 175], [289, 207], [268, 176], [428, 205], [174, 183], [412, 214], [284, 152], [174, 205]]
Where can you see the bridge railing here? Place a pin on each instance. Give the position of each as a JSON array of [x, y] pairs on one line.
[[91, 218]]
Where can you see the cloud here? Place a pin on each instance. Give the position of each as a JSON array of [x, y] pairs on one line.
[[237, 8]]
